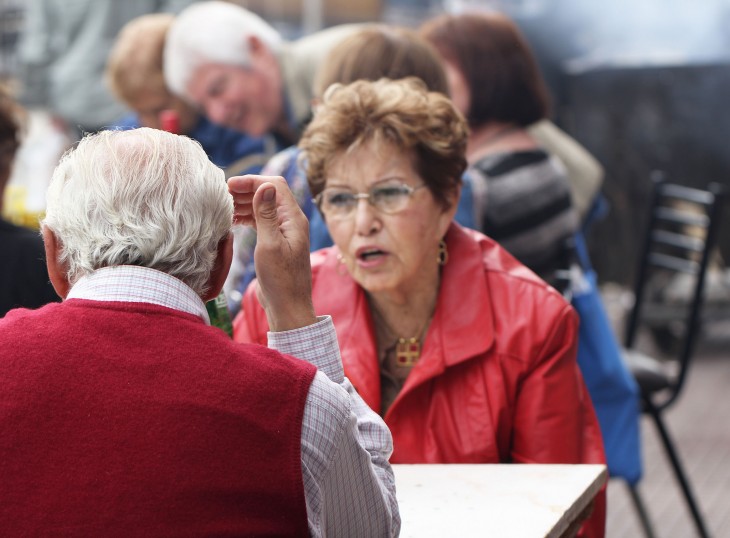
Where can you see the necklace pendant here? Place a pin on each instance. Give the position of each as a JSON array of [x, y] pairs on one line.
[[407, 352]]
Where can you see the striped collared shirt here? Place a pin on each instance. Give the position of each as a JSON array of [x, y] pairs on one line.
[[348, 482]]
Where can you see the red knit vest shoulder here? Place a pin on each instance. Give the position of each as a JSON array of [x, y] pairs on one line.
[[129, 419]]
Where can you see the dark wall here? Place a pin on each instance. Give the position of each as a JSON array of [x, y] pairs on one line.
[[638, 119]]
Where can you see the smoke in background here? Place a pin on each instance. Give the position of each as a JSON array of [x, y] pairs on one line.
[[570, 37], [619, 31]]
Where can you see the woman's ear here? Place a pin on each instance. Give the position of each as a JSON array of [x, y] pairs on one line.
[[453, 200], [456, 196], [447, 216]]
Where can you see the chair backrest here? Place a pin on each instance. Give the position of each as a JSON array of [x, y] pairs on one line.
[[681, 233]]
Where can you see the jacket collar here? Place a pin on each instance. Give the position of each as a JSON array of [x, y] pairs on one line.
[[464, 309], [337, 294], [462, 326]]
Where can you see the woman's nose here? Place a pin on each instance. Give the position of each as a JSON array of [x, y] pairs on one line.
[[366, 217]]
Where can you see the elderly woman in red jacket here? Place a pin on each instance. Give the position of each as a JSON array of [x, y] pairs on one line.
[[468, 356]]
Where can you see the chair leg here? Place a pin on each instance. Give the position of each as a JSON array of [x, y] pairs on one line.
[[641, 510], [678, 468]]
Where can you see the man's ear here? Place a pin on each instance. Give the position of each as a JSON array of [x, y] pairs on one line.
[[255, 45], [57, 272], [223, 259], [260, 56]]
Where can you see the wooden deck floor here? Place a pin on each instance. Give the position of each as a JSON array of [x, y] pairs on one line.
[[700, 424]]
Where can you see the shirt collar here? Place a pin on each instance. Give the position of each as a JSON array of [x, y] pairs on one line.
[[134, 284]]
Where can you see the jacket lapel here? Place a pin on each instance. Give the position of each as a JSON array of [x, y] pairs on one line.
[[462, 327], [337, 294], [464, 305]]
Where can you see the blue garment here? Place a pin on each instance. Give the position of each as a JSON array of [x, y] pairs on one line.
[[224, 146], [613, 389], [465, 209]]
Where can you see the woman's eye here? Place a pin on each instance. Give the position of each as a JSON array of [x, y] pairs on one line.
[[388, 192], [340, 199]]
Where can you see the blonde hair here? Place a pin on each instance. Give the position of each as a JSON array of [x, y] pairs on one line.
[[401, 113], [141, 197], [134, 67]]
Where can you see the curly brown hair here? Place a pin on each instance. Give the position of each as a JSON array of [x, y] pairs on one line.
[[391, 112]]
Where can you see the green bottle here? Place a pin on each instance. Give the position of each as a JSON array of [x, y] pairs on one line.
[[219, 315]]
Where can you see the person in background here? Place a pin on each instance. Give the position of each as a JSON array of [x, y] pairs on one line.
[[62, 55], [165, 426], [23, 275], [465, 352], [234, 66], [372, 52], [522, 194], [527, 203], [134, 74], [475, 89]]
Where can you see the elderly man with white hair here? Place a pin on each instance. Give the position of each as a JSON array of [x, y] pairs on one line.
[[124, 413], [237, 68]]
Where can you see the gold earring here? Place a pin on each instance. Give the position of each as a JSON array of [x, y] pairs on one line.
[[443, 255]]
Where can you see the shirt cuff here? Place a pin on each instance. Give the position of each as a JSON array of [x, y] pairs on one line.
[[316, 344]]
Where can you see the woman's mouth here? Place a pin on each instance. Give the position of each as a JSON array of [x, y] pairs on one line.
[[370, 256]]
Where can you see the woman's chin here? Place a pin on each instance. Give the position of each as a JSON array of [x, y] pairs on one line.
[[382, 283]]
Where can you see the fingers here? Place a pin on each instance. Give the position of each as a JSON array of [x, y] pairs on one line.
[[243, 189], [282, 257], [275, 205], [249, 184], [245, 184], [265, 213]]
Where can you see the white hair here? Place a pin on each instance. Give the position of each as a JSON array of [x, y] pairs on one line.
[[212, 32], [141, 197]]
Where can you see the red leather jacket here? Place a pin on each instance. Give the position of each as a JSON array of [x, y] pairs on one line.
[[497, 380]]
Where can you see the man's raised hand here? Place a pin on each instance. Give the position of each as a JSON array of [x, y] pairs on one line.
[[281, 257]]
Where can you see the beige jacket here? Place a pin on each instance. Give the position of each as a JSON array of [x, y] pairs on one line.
[[300, 60], [585, 173]]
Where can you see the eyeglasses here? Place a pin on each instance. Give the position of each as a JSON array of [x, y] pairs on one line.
[[388, 196]]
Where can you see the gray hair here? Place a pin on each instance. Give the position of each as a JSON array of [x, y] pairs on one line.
[[212, 32], [142, 197]]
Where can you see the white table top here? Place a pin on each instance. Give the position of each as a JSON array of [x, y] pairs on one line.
[[520, 501]]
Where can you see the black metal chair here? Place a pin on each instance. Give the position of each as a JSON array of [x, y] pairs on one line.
[[682, 229]]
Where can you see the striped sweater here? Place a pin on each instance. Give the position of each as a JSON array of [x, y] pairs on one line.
[[522, 200]]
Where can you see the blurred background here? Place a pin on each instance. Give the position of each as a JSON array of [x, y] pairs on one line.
[[643, 85]]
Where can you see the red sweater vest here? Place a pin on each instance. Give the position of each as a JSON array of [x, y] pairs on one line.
[[129, 419]]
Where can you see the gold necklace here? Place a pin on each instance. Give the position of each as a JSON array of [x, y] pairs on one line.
[[407, 350]]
